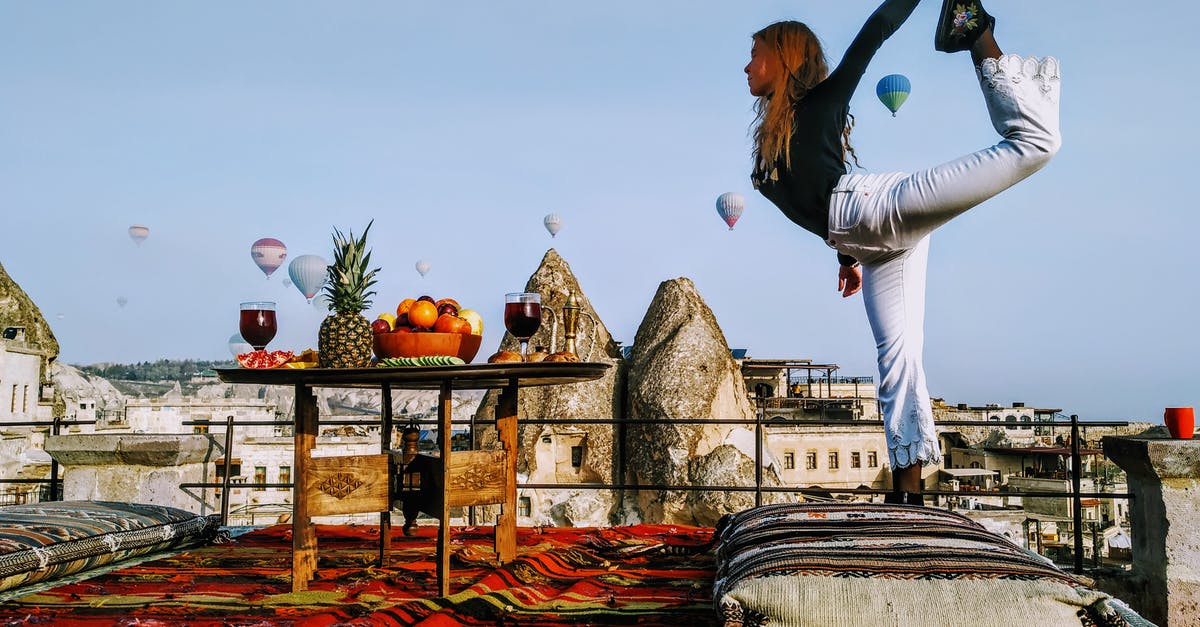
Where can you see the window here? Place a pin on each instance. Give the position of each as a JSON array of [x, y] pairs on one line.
[[872, 459], [524, 506], [83, 406], [285, 475], [13, 405], [260, 476], [1011, 420], [235, 468], [25, 400], [200, 429], [856, 459], [789, 460], [833, 460], [576, 456], [810, 460], [1026, 420]]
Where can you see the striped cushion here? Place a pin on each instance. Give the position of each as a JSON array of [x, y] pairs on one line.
[[43, 541], [874, 564]]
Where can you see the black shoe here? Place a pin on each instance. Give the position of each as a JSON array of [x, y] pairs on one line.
[[914, 498], [961, 22], [895, 498]]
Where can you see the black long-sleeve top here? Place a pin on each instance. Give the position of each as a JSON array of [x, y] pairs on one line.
[[802, 192]]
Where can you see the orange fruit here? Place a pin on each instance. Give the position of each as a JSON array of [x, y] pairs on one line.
[[422, 314], [404, 306]]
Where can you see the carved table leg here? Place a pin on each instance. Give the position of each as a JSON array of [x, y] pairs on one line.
[[443, 542], [506, 430], [385, 444], [304, 538]]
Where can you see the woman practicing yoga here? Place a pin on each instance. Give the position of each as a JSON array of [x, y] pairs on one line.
[[880, 223]]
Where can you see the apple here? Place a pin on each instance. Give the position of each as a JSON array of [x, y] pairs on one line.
[[404, 329], [473, 317], [447, 308], [446, 323], [380, 326], [427, 297]]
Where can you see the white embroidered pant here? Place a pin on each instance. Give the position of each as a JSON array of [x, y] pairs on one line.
[[884, 221]]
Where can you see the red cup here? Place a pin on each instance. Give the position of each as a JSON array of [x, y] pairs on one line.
[[1180, 421]]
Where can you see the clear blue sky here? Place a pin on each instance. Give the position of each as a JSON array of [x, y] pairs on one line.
[[457, 127]]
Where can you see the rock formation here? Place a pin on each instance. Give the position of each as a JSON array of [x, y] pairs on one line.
[[680, 369], [544, 451], [18, 310]]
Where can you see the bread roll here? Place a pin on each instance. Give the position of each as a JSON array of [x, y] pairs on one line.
[[504, 357], [562, 356], [538, 355]]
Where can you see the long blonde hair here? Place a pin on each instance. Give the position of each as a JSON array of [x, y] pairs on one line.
[[802, 66]]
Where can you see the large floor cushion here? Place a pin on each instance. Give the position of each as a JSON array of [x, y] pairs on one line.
[[866, 564], [44, 541]]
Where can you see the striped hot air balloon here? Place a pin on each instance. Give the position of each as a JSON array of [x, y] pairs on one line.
[[730, 206], [268, 254], [893, 90], [308, 273], [138, 233], [423, 267]]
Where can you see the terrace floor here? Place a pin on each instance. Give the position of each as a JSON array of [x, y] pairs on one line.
[[643, 575]]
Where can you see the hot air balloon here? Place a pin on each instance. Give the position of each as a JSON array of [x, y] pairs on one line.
[[308, 273], [138, 234], [122, 301], [268, 254], [423, 267], [320, 302], [730, 206], [238, 346], [553, 223], [893, 90], [287, 282]]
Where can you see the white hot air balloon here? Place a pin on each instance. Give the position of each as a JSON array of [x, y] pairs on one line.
[[553, 223], [308, 273], [423, 267], [122, 301], [320, 302], [238, 346], [138, 233]]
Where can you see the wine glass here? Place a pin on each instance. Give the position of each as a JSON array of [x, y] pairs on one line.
[[522, 317], [257, 323]]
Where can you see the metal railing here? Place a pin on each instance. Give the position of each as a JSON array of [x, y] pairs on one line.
[[619, 483], [54, 483]]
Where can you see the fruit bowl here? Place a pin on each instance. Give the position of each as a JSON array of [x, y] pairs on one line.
[[461, 345]]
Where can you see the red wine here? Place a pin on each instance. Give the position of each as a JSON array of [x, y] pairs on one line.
[[258, 327], [522, 319]]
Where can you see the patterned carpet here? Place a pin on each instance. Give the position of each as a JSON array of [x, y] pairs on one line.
[[639, 575]]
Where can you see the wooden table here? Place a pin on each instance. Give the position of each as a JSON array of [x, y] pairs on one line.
[[361, 483]]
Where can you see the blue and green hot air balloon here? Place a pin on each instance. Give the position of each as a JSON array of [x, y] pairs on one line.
[[893, 90]]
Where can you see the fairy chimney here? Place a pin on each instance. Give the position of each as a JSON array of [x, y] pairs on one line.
[[680, 369], [564, 453], [18, 310]]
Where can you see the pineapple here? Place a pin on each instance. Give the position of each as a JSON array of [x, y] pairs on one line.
[[345, 338]]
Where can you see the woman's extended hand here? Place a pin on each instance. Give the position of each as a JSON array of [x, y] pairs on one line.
[[849, 280]]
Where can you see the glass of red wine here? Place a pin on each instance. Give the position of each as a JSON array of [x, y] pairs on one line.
[[522, 317], [257, 323]]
